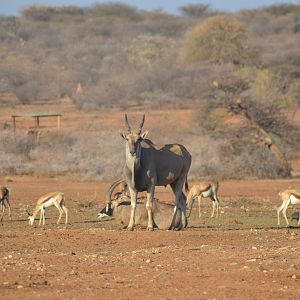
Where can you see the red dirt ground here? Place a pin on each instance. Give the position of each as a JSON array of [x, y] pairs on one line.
[[231, 258], [242, 255]]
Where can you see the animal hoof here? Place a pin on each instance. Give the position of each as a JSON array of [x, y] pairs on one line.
[[149, 228], [130, 228]]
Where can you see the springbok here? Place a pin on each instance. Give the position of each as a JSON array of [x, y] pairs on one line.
[[148, 165], [288, 197], [119, 207], [56, 199], [4, 200], [204, 189]]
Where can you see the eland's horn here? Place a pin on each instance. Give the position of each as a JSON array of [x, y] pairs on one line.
[[142, 124], [127, 123]]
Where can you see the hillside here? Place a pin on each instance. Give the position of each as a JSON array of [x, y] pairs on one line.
[[234, 104]]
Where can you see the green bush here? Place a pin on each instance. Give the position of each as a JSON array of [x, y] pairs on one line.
[[218, 39], [272, 87]]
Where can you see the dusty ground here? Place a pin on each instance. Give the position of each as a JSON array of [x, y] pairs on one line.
[[244, 254]]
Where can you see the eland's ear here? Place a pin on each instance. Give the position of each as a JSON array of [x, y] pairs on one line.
[[144, 134], [123, 135]]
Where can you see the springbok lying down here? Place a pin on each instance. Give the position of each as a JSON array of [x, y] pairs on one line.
[[120, 209], [118, 205]]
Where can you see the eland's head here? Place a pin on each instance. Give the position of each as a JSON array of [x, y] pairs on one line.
[[133, 139]]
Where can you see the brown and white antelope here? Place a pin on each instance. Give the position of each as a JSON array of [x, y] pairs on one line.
[[56, 199], [204, 189], [4, 200], [288, 197], [118, 207], [148, 165]]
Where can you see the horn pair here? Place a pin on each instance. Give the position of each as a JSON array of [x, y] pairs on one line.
[[141, 125]]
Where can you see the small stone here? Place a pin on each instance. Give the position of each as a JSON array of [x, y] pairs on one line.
[[148, 261], [294, 276], [19, 286], [253, 248], [9, 256]]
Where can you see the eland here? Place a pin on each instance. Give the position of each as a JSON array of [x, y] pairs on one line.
[[148, 165]]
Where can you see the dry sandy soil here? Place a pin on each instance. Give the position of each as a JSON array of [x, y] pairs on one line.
[[243, 254]]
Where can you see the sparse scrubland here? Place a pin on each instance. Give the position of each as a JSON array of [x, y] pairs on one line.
[[239, 73]]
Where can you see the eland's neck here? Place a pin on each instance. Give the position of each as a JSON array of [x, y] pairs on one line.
[[133, 162]]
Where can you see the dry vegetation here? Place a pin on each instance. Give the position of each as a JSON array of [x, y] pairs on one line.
[[240, 71]]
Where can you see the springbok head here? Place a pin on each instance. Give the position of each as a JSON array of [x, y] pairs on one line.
[[133, 139]]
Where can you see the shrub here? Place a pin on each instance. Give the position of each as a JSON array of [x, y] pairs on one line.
[[117, 10], [194, 10], [218, 39], [159, 23], [273, 87], [46, 13], [149, 48]]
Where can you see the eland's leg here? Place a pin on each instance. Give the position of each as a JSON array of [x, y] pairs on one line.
[[133, 195], [183, 209], [149, 204], [177, 190]]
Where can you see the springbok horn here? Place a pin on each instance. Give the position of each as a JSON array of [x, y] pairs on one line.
[[142, 124], [127, 123]]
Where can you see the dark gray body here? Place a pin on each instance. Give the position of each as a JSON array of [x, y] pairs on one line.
[[148, 165], [161, 164]]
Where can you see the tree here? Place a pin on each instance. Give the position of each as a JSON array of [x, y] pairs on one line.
[[218, 39], [194, 10]]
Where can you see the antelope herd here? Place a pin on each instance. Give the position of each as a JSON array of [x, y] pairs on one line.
[[148, 165]]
